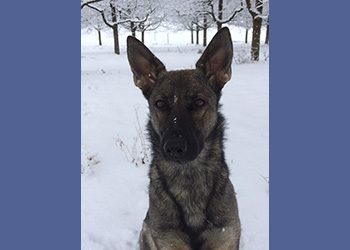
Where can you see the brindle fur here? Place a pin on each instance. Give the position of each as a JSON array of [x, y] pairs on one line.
[[192, 203]]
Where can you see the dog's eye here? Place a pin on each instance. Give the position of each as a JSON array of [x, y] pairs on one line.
[[199, 103], [160, 104]]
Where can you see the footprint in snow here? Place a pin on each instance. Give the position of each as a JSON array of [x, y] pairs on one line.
[[85, 109], [94, 86]]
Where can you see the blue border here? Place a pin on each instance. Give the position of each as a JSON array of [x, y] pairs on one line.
[[40, 125], [309, 126]]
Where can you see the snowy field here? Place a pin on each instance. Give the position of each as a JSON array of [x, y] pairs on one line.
[[114, 181]]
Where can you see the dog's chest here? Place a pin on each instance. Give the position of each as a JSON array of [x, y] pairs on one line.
[[191, 190]]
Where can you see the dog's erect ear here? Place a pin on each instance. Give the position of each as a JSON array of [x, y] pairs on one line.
[[144, 65], [216, 60]]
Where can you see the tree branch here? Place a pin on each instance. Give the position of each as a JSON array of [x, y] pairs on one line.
[[89, 2], [212, 13], [102, 14], [233, 15], [256, 9]]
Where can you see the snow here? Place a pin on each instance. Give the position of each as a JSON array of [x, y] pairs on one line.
[[114, 195]]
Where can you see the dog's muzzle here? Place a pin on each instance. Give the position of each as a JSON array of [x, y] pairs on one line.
[[175, 148], [181, 144]]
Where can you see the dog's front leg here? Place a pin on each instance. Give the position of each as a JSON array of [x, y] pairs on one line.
[[225, 238], [153, 239]]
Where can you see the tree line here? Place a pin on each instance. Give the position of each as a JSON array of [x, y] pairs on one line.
[[192, 15]]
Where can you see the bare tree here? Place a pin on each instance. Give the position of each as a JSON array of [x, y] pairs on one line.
[[152, 23], [225, 11], [137, 10], [115, 13], [194, 16], [203, 23], [186, 13], [91, 20], [255, 8], [100, 7], [266, 19], [267, 31], [244, 20]]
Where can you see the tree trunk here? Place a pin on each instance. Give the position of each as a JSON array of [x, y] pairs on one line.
[[143, 36], [115, 31], [192, 37], [99, 38], [197, 34], [220, 7], [246, 35], [133, 29], [219, 25], [257, 21], [267, 34], [116, 39], [205, 27], [256, 39]]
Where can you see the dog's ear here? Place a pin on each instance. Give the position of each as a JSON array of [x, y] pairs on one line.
[[216, 60], [144, 65]]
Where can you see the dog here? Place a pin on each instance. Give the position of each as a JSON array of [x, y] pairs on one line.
[[192, 202]]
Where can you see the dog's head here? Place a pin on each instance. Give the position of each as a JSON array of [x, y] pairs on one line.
[[183, 104]]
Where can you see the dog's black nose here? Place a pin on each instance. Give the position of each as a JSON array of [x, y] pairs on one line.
[[175, 148]]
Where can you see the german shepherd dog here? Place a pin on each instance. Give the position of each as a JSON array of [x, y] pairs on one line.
[[192, 203]]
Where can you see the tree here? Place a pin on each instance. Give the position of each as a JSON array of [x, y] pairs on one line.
[[184, 21], [144, 15], [244, 20], [255, 8], [152, 23], [115, 13], [104, 10], [91, 20], [266, 19], [185, 12], [141, 13], [267, 31], [225, 11], [193, 15], [205, 28]]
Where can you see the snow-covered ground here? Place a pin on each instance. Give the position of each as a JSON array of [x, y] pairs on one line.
[[114, 196]]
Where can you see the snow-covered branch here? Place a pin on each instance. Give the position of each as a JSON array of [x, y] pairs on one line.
[[90, 2], [102, 14], [255, 7], [125, 15], [221, 13]]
